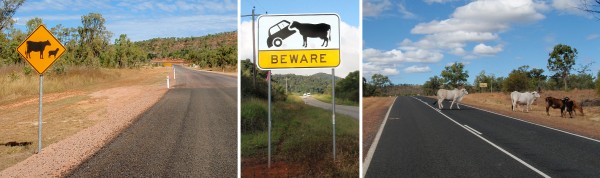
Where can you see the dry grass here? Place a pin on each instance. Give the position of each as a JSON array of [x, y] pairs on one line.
[[17, 85], [588, 125], [374, 110], [69, 104]]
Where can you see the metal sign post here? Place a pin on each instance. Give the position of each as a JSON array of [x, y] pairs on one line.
[[40, 115], [333, 109], [269, 81]]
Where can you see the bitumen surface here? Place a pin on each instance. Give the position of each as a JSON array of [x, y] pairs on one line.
[[420, 141], [351, 111], [190, 132]]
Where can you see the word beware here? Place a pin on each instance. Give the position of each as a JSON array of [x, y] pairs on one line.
[[298, 58]]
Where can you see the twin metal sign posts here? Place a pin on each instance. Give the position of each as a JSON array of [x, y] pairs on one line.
[[299, 41], [40, 49]]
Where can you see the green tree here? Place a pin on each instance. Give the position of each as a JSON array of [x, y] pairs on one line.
[[93, 38], [380, 82], [598, 83], [483, 78], [32, 24], [368, 89], [348, 88], [517, 80], [561, 61], [7, 10], [431, 86], [455, 75]]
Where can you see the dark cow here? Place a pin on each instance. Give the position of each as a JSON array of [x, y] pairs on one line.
[[568, 104], [321, 30], [555, 103], [37, 46], [53, 53]]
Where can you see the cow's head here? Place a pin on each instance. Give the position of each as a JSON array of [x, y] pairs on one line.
[[464, 92], [46, 43], [535, 94], [294, 25]]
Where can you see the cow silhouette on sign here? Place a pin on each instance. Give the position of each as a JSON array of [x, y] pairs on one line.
[[322, 31], [36, 46]]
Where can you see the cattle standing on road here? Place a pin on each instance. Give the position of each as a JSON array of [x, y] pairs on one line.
[[526, 99], [321, 30], [455, 95], [37, 46]]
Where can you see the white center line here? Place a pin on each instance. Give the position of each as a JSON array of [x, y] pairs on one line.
[[489, 142], [472, 129]]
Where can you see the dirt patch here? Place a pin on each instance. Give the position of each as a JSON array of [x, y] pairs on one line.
[[374, 110], [76, 123], [260, 168], [588, 125]]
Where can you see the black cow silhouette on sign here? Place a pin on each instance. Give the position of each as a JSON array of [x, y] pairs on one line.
[[322, 31], [36, 46], [53, 53]]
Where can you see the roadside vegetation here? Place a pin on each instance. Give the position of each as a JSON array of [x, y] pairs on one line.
[[301, 134]]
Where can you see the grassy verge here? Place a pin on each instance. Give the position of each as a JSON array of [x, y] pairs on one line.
[[302, 139], [339, 101]]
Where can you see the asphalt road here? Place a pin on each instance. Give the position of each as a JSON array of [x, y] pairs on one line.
[[351, 111], [419, 141], [190, 132]]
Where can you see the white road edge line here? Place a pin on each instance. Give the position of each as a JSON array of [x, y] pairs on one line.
[[473, 129], [491, 143], [376, 140], [577, 135]]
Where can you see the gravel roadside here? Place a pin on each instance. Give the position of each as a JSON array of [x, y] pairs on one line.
[[123, 105]]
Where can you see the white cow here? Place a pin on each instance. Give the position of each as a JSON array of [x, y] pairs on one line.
[[455, 95], [526, 99]]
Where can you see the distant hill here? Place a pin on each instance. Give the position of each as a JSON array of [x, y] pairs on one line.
[[316, 83], [205, 50]]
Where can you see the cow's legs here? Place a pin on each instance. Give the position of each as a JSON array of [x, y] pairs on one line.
[[305, 43], [457, 106], [440, 106], [451, 104]]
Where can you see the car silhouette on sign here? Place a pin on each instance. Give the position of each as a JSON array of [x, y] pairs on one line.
[[279, 32]]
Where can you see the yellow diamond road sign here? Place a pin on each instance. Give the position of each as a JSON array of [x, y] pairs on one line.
[[41, 49]]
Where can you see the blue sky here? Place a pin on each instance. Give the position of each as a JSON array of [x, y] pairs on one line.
[[349, 12], [410, 42], [139, 19]]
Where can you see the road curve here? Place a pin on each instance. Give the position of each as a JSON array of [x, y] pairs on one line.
[[351, 111], [420, 141], [190, 132]]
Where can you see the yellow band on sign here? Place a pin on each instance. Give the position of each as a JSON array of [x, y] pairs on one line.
[[275, 59]]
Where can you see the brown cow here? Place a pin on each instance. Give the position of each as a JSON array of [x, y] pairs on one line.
[[576, 107], [555, 103]]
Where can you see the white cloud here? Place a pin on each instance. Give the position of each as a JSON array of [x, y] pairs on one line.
[[374, 8], [438, 1], [570, 6], [592, 36], [349, 56], [417, 69], [405, 13], [482, 49]]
